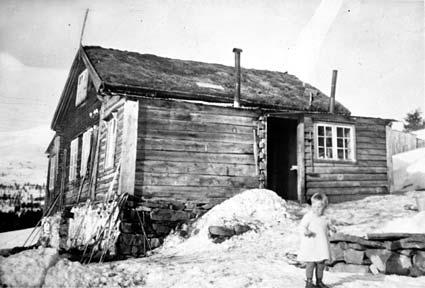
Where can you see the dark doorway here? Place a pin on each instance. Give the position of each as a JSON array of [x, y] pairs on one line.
[[282, 156]]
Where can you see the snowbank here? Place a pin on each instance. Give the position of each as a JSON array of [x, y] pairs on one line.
[[409, 170], [28, 268], [370, 214], [257, 208], [410, 224]]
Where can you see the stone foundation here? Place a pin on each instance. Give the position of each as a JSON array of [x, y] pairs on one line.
[[387, 253], [136, 227]]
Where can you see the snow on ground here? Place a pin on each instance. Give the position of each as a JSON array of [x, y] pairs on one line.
[[11, 239], [409, 170], [258, 258], [371, 214]]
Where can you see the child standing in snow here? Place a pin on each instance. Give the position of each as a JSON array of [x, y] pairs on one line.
[[314, 247]]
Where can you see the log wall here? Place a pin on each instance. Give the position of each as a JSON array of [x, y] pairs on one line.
[[194, 152], [343, 181]]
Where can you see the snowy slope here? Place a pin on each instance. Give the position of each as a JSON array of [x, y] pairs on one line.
[[22, 155]]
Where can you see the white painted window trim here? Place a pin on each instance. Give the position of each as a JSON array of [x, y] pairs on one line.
[[82, 87], [334, 126], [52, 172], [111, 139], [73, 159], [85, 151]]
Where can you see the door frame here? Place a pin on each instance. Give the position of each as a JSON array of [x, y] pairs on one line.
[[300, 148]]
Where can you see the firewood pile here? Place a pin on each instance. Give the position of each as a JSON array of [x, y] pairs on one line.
[[386, 253]]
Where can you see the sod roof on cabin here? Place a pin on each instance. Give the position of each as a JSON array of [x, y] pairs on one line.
[[197, 79]]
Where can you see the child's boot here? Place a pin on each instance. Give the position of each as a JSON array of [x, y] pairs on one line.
[[320, 284], [309, 284]]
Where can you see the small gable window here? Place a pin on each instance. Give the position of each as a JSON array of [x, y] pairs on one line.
[[111, 138], [334, 142], [83, 80]]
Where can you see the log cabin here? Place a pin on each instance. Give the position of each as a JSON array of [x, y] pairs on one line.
[[175, 130]]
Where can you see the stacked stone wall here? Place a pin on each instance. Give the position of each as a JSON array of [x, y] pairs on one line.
[[387, 253]]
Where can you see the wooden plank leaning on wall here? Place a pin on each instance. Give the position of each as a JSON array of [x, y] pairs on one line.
[[129, 147]]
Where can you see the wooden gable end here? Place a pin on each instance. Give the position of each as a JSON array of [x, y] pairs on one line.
[[68, 108]]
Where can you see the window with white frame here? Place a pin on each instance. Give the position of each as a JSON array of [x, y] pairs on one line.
[[335, 142], [111, 138], [52, 172], [73, 159], [85, 151], [83, 80]]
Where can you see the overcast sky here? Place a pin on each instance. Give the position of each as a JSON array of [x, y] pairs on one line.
[[377, 46]]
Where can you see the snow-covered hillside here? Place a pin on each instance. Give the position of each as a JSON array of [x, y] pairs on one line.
[[22, 155]]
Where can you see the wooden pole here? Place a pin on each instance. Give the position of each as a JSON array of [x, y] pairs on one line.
[[84, 26], [300, 162]]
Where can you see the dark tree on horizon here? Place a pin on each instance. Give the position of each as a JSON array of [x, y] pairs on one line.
[[414, 121]]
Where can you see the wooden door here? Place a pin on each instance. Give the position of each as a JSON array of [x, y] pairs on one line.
[[282, 157]]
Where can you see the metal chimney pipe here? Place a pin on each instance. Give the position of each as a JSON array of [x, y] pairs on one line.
[[236, 100], [333, 88]]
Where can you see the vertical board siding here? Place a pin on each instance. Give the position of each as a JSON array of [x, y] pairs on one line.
[[343, 181], [194, 152]]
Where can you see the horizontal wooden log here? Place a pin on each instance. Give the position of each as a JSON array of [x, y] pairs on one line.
[[370, 139], [187, 193], [148, 123], [195, 157], [348, 190], [366, 146], [371, 134], [194, 146], [346, 169], [152, 179], [371, 151], [373, 121], [368, 127], [337, 184], [195, 168], [186, 115], [196, 136], [316, 177], [359, 163], [368, 157], [152, 103]]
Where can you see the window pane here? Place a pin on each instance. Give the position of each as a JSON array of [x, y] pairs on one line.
[[320, 131], [329, 153], [329, 131], [339, 143], [321, 141], [347, 132], [341, 154], [321, 152], [346, 143], [328, 142], [339, 132]]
